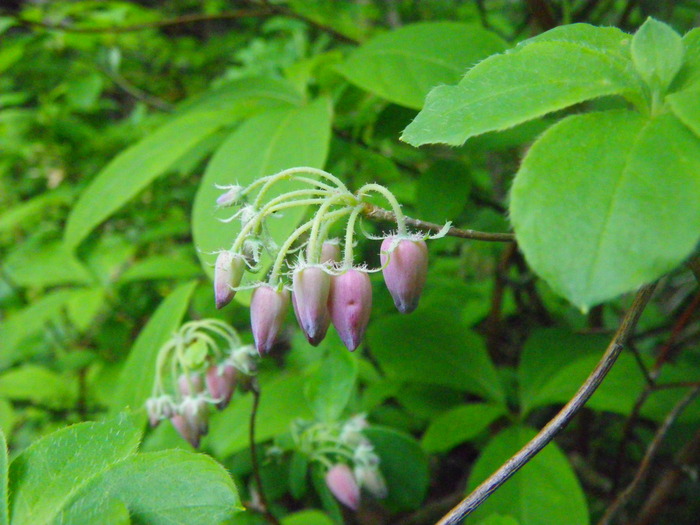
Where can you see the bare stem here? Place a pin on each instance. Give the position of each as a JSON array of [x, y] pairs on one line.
[[380, 214], [536, 444]]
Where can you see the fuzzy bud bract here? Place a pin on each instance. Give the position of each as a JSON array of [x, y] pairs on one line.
[[350, 305], [405, 271], [343, 485], [311, 287], [228, 272], [268, 308]]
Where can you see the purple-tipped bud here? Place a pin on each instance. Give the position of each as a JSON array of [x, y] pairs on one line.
[[191, 387], [311, 287], [221, 382], [405, 272], [330, 252], [228, 272], [350, 304], [342, 484], [192, 422], [268, 308], [230, 197]]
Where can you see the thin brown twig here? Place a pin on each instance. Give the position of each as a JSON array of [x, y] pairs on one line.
[[624, 496], [264, 507], [377, 213], [510, 467]]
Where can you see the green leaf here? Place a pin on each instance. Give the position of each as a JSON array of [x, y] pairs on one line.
[[543, 492], [85, 304], [4, 481], [403, 465], [331, 384], [171, 266], [657, 53], [545, 353], [137, 377], [135, 168], [35, 208], [402, 65], [264, 145], [39, 385], [159, 488], [307, 517], [298, 468], [606, 202], [433, 348], [686, 106], [41, 265], [514, 87], [689, 75], [459, 425], [330, 504], [281, 402], [499, 519], [442, 191], [611, 41], [46, 476]]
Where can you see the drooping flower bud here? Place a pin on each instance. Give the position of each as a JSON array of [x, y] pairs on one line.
[[230, 197], [330, 252], [159, 408], [311, 287], [228, 272], [268, 308], [342, 484], [221, 382], [192, 419], [190, 386], [350, 304], [405, 271]]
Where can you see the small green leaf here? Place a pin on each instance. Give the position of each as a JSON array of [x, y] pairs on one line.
[[434, 348], [686, 106], [4, 481], [657, 53], [543, 492], [606, 202], [689, 75], [172, 266], [330, 504], [402, 65], [137, 377], [159, 488], [42, 265], [298, 467], [404, 467], [307, 517], [459, 425], [39, 385], [509, 89], [331, 384], [46, 476], [263, 145]]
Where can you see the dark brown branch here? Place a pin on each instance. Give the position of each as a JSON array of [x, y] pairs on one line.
[[510, 467], [652, 449], [380, 214]]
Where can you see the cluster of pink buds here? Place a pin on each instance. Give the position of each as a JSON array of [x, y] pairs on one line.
[[200, 365], [348, 457], [326, 285]]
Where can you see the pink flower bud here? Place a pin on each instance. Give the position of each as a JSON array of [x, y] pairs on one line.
[[231, 197], [192, 421], [221, 382], [311, 287], [268, 308], [342, 484], [350, 304], [228, 272], [330, 252], [405, 272], [195, 382]]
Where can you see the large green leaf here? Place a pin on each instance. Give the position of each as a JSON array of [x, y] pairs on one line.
[[606, 202], [545, 353], [170, 487], [543, 492], [136, 167], [686, 106], [430, 347], [403, 465], [263, 145], [458, 425], [137, 377], [402, 65], [45, 477], [532, 80]]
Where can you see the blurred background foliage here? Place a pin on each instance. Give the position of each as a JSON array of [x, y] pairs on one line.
[[453, 389]]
